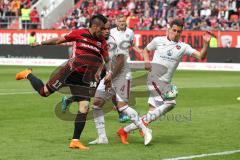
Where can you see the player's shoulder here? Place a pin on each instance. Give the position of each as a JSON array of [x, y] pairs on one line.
[[113, 30], [183, 44], [129, 30], [159, 39]]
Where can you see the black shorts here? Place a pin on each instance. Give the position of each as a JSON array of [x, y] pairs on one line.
[[73, 80]]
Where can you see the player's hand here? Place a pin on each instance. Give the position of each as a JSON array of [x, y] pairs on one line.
[[97, 77], [207, 37], [148, 66], [108, 81], [35, 44]]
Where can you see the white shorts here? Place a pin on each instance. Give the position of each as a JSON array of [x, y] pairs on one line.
[[120, 87], [157, 89]]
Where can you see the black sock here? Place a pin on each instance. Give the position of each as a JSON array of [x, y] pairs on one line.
[[119, 113], [36, 83], [79, 124], [72, 99]]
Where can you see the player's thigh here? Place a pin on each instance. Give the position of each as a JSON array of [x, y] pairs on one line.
[[57, 79], [122, 89], [154, 102], [101, 93], [98, 102], [158, 88]]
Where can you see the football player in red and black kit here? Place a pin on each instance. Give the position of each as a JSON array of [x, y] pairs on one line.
[[79, 73]]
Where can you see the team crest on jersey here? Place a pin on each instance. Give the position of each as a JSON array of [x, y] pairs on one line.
[[169, 53], [127, 35], [178, 47], [99, 44]]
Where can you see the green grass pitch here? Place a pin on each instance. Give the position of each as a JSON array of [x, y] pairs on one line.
[[205, 120]]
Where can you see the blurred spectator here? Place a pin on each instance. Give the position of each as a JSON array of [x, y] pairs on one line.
[[15, 6], [44, 12], [12, 9], [34, 17], [32, 38], [213, 42], [25, 17], [142, 14], [205, 12], [132, 20], [155, 14]]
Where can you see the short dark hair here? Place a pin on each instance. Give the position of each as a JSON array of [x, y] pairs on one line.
[[33, 33], [177, 23], [97, 19], [121, 16]]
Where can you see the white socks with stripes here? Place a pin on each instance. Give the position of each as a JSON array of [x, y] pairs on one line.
[[134, 117], [152, 115], [99, 121]]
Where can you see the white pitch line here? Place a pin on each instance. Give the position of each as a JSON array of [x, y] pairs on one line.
[[205, 155], [15, 93]]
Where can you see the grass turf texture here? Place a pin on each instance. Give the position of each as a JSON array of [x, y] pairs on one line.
[[205, 120]]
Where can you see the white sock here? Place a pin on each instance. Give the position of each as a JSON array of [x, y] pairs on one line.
[[130, 127], [99, 121], [152, 115], [158, 112], [134, 117]]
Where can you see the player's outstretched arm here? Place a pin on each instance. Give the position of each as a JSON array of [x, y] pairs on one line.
[[53, 41], [203, 53], [147, 63], [137, 49]]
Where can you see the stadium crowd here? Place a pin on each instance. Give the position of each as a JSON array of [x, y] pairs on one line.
[[9, 9], [141, 14], [156, 14]]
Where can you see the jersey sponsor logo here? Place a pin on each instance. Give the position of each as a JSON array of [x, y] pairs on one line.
[[90, 47], [99, 44], [124, 45], [178, 47], [168, 58], [169, 53]]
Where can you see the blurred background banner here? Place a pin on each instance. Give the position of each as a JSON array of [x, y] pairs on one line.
[[225, 39], [27, 52], [219, 59]]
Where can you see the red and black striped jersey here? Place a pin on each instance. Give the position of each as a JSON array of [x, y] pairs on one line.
[[86, 43]]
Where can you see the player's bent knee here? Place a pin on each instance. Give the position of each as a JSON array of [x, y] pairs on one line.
[[83, 106], [98, 102], [44, 92]]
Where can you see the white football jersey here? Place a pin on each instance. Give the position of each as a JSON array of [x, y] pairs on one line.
[[112, 47], [123, 40], [167, 56]]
